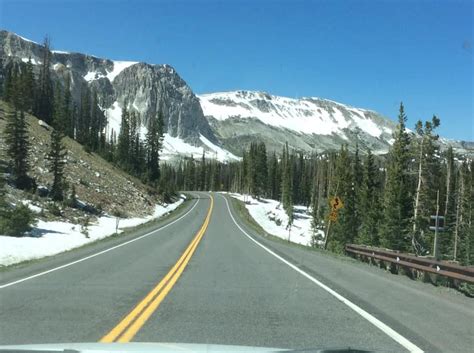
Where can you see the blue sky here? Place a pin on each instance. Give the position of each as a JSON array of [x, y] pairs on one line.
[[370, 54]]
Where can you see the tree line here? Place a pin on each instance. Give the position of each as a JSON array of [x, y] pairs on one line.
[[388, 200]]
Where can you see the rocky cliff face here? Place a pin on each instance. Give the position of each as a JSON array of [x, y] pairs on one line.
[[141, 87]]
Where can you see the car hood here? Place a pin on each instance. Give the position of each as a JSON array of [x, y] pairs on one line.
[[131, 347], [153, 347]]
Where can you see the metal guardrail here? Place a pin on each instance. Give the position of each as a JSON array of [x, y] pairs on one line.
[[442, 268]]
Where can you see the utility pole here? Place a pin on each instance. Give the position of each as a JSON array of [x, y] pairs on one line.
[[327, 235]]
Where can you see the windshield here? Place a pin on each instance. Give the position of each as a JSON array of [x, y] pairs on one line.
[[236, 175]]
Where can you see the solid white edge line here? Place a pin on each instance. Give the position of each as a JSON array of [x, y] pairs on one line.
[[372, 319], [97, 254]]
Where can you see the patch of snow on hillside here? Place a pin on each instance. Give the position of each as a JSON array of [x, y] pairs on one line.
[[220, 153], [93, 75], [269, 214], [367, 125], [33, 61], [54, 237], [59, 52], [32, 207], [301, 115], [114, 118], [119, 66], [175, 145], [26, 39]]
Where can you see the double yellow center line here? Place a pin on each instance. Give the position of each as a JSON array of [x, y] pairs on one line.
[[129, 326]]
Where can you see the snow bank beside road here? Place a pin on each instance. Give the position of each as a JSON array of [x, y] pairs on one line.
[[271, 216], [50, 238]]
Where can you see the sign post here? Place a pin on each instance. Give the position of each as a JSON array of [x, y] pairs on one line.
[[436, 224], [336, 204]]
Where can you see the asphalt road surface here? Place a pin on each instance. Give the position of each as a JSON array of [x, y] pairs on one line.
[[204, 276]]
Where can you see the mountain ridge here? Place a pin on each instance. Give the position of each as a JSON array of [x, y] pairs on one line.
[[219, 123]]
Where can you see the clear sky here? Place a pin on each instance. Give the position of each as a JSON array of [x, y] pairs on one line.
[[370, 54]]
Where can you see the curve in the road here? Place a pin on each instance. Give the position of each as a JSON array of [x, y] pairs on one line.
[[372, 319]]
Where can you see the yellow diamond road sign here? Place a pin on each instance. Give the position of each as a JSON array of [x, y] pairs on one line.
[[336, 203]]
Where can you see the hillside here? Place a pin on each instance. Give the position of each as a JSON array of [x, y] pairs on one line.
[[98, 184]]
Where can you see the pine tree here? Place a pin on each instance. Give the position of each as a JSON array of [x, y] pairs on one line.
[[44, 96], [261, 169], [427, 185], [16, 138], [287, 186], [29, 86], [11, 88], [447, 241], [123, 145], [397, 202], [370, 204], [344, 230], [3, 203], [84, 118], [189, 174], [464, 227], [273, 184], [202, 178], [56, 160], [153, 143], [358, 173], [66, 109], [95, 123]]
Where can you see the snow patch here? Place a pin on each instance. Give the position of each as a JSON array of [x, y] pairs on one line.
[[50, 238], [114, 118], [220, 153], [33, 61], [32, 207], [26, 39], [175, 145], [93, 75], [269, 214], [119, 66], [367, 125]]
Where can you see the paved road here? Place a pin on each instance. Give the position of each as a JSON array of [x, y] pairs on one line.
[[198, 281]]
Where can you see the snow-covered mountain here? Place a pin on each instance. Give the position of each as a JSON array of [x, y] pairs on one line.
[[307, 123], [141, 87], [222, 124]]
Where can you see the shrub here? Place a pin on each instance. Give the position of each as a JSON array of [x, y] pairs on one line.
[[16, 221], [54, 209], [71, 201], [117, 212], [84, 227], [84, 182]]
